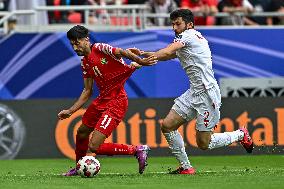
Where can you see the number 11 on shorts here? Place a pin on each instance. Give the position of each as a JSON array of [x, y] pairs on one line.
[[105, 122]]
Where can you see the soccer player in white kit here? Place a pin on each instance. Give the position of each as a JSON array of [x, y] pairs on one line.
[[202, 101]]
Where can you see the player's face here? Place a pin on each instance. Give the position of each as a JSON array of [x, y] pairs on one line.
[[180, 26], [80, 46]]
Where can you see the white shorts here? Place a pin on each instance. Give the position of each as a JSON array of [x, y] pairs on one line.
[[203, 106]]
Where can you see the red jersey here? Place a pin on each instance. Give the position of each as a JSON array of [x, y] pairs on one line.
[[109, 72]]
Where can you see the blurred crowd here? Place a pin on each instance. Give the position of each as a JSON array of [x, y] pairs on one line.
[[205, 10]]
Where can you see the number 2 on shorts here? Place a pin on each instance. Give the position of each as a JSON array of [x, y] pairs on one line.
[[206, 121]]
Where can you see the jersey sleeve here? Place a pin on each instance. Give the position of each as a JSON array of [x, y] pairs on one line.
[[183, 39], [105, 48]]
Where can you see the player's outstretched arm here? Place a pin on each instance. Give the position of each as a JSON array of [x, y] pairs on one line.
[[84, 97], [169, 52], [147, 53], [140, 52], [149, 61], [136, 51]]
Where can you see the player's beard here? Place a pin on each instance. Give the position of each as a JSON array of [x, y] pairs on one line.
[[177, 33]]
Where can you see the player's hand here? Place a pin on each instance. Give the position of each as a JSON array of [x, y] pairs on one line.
[[136, 65], [136, 51], [64, 114], [149, 61]]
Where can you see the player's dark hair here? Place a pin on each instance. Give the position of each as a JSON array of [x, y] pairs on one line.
[[77, 32], [185, 14]]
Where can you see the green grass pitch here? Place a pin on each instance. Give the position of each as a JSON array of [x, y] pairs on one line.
[[220, 172]]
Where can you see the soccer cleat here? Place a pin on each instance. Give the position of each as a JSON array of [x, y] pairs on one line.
[[71, 172], [246, 142], [182, 171], [142, 156]]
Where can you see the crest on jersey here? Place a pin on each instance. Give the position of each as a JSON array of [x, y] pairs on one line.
[[104, 61]]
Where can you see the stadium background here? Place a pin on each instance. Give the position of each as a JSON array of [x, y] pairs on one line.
[[43, 65], [40, 75]]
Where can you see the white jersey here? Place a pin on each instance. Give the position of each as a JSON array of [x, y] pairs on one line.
[[195, 58]]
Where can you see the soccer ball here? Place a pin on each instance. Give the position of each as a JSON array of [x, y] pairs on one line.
[[88, 166]]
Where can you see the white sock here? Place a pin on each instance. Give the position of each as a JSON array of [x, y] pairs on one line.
[[225, 139], [176, 145]]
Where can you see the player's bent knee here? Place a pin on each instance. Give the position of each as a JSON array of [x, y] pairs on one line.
[[83, 132], [203, 145], [82, 135], [80, 131]]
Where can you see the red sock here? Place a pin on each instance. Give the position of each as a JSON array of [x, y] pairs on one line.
[[116, 149], [81, 147]]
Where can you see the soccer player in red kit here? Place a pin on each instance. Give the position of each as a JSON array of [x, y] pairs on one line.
[[103, 64]]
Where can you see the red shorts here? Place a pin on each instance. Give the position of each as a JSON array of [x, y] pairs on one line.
[[105, 115]]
